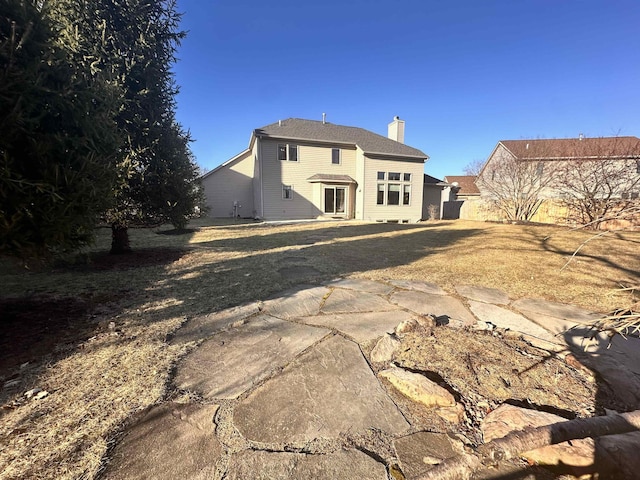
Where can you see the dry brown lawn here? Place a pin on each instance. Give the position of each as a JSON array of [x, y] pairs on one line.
[[92, 332]]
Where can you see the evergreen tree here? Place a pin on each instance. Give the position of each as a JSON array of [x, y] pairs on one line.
[[57, 136]]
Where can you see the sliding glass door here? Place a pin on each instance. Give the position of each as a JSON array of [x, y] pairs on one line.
[[335, 199]]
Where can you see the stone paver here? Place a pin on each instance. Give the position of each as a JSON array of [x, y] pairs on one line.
[[287, 378], [361, 285], [343, 465], [484, 294], [573, 315], [299, 302], [418, 286], [327, 391], [438, 305], [617, 362], [362, 327], [353, 301], [231, 362], [167, 442], [420, 451], [203, 327], [503, 318]]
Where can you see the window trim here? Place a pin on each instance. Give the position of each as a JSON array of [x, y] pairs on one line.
[[287, 152], [384, 193], [385, 183], [389, 185], [339, 162], [406, 190]]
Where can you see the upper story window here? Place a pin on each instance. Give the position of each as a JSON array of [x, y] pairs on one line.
[[406, 177], [288, 152], [381, 175], [394, 176], [335, 156]]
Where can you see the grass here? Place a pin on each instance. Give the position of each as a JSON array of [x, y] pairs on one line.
[[112, 358]]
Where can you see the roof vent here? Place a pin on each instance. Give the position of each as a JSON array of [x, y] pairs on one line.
[[324, 118], [581, 136], [526, 147], [279, 123]]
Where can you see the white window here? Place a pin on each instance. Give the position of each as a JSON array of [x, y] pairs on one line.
[[406, 194], [287, 152], [335, 156], [380, 199], [393, 194], [287, 192]]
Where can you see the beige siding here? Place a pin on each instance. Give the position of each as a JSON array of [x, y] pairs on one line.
[[375, 212], [359, 194], [257, 181], [307, 201], [231, 183]]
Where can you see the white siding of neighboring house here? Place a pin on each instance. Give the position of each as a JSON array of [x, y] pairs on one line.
[[307, 197], [232, 182], [375, 212]]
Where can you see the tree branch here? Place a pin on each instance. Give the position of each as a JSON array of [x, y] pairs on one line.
[[516, 443]]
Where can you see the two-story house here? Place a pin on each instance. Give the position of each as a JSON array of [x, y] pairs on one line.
[[305, 169]]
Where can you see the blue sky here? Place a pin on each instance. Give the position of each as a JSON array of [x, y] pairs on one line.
[[462, 74]]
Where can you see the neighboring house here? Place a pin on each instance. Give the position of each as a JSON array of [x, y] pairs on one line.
[[461, 188], [306, 169], [557, 171], [436, 192]]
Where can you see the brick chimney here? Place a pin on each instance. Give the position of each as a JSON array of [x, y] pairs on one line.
[[396, 130]]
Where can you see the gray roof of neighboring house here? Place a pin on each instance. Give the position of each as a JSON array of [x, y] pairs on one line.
[[431, 180], [312, 130]]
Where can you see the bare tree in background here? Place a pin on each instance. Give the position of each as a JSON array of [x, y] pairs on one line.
[[603, 183], [474, 167], [515, 187]]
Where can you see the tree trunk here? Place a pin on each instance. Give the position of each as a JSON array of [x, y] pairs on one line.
[[120, 239], [515, 443]]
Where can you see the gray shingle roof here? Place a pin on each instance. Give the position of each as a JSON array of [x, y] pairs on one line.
[[312, 130], [329, 177]]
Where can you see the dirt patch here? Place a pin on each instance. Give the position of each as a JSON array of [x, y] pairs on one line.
[[36, 327], [177, 231], [484, 370], [147, 257]]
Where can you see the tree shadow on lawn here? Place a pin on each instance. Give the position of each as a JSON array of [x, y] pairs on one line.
[[34, 325]]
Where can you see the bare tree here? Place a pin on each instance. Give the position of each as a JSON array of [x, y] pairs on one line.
[[474, 167], [601, 182], [515, 187]]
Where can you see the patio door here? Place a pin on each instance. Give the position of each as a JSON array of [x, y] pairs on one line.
[[335, 199]]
